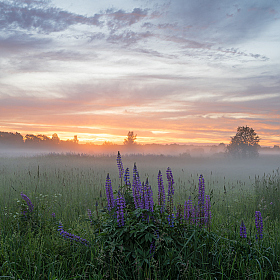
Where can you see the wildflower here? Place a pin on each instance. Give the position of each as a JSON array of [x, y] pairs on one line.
[[28, 201], [120, 165], [71, 236], [136, 188], [170, 192], [109, 193], [120, 206], [170, 220], [259, 225], [53, 214], [126, 178], [243, 232], [149, 196], [161, 193], [201, 193]]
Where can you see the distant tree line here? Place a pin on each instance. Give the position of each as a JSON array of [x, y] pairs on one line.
[[9, 138]]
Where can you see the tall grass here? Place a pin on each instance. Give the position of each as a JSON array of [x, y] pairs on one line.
[[32, 248]]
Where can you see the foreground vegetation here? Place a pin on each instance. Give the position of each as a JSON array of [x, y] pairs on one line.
[[54, 227]]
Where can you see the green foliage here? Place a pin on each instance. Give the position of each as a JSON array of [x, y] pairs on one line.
[[31, 247]]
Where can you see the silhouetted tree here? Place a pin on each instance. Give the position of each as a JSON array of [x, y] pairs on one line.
[[55, 139], [130, 140], [11, 138], [31, 139], [245, 143]]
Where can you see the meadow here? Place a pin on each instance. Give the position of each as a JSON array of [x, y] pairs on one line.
[[68, 192]]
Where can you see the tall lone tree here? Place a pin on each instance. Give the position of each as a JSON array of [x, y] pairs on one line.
[[244, 144], [130, 140]]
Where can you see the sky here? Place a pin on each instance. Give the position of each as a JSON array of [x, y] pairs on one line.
[[175, 71]]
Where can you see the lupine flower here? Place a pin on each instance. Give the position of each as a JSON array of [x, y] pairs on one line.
[[201, 193], [109, 193], [170, 192], [53, 214], [120, 165], [161, 193], [243, 232], [170, 220], [136, 187], [207, 211], [120, 206], [170, 180], [150, 201], [71, 236], [126, 177], [259, 225], [28, 201], [201, 200]]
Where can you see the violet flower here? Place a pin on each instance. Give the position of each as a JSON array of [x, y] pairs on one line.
[[136, 188], [243, 232], [120, 206], [28, 201], [259, 225], [170, 192], [149, 197], [161, 193], [71, 236], [126, 178], [120, 165], [109, 194]]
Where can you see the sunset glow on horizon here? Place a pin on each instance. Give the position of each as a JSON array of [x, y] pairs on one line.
[[185, 72]]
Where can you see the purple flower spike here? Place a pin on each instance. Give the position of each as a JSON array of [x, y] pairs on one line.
[[161, 193], [259, 225], [53, 214], [149, 196], [109, 193], [243, 232], [120, 165], [28, 201], [170, 192], [120, 203], [126, 177], [71, 236], [201, 193]]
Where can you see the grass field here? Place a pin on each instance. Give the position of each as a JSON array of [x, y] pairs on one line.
[[69, 185]]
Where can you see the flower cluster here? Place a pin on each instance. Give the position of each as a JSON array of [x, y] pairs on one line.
[[170, 192], [126, 178], [201, 199], [71, 236], [136, 188], [243, 232], [161, 193], [259, 225], [120, 206], [120, 165], [28, 201], [109, 194]]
